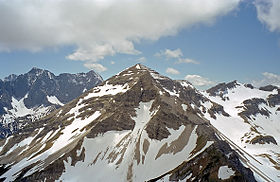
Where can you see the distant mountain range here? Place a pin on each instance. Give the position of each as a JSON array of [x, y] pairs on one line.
[[30, 96], [141, 126]]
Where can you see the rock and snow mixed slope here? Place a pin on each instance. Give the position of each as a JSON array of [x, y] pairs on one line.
[[253, 126], [136, 126], [30, 96]]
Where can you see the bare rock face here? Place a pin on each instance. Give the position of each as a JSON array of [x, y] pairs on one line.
[[274, 99], [248, 85], [263, 139], [134, 121]]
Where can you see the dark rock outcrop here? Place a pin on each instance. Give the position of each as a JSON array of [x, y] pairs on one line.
[[274, 99], [268, 88], [263, 139], [248, 85], [221, 89], [251, 108]]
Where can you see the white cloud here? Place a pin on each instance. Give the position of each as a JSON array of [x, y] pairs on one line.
[[95, 66], [172, 71], [141, 60], [269, 13], [100, 28], [93, 54], [199, 80], [177, 53], [268, 79], [187, 60]]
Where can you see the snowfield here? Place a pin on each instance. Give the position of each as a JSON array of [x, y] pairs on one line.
[[130, 155], [261, 157]]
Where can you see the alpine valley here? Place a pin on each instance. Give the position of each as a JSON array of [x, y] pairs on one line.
[[141, 126]]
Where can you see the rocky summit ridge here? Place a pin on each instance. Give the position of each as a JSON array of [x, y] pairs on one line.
[[136, 126]]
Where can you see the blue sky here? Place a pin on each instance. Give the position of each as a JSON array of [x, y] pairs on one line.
[[237, 40]]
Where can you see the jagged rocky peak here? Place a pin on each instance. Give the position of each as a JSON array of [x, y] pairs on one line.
[[93, 73], [11, 77], [32, 95], [37, 72]]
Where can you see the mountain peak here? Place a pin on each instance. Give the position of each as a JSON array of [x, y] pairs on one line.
[[37, 71], [91, 72], [141, 66], [138, 66], [11, 77], [34, 69]]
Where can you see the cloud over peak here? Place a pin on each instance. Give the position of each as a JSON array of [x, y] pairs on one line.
[[168, 53], [95, 66], [172, 71], [198, 80]]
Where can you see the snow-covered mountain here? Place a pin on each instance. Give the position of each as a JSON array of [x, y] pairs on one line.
[[28, 97], [135, 126], [253, 125]]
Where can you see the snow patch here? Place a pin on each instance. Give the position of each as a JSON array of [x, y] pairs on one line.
[[185, 107], [21, 144], [54, 100], [225, 172], [186, 84], [19, 109], [173, 93], [72, 130], [107, 89]]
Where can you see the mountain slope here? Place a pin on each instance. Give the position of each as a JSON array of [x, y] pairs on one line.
[[30, 96], [136, 126], [253, 125]]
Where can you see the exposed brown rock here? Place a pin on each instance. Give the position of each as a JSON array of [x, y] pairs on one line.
[[263, 139], [178, 144]]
